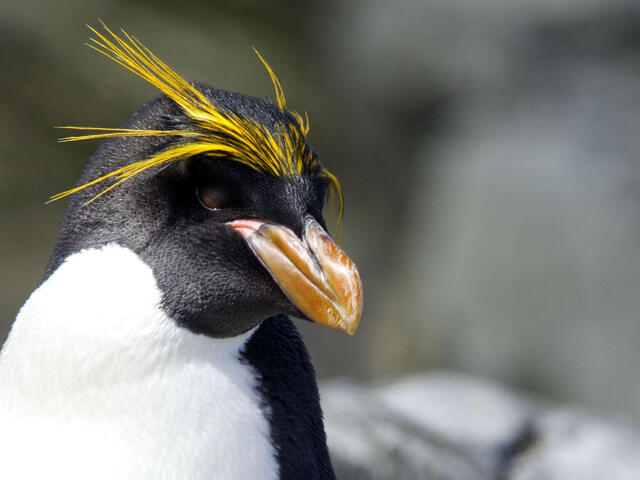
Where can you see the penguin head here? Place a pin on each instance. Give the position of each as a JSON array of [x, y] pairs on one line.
[[222, 196]]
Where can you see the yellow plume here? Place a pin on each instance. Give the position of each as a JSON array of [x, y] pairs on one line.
[[217, 133]]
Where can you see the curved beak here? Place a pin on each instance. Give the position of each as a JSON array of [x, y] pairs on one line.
[[313, 272]]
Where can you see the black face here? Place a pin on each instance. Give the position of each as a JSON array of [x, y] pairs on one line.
[[174, 219]]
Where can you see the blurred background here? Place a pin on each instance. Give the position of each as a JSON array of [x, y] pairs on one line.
[[488, 151]]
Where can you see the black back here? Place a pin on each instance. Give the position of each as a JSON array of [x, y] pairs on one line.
[[289, 391]]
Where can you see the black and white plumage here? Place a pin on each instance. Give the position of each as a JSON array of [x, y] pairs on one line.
[[157, 345]]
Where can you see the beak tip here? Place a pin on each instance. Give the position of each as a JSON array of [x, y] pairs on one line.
[[351, 323], [353, 326]]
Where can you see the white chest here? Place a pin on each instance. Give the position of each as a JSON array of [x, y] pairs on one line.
[[97, 382]]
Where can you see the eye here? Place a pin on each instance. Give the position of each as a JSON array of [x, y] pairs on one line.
[[216, 197]]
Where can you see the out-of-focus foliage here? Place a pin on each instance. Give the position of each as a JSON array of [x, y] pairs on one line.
[[489, 153]]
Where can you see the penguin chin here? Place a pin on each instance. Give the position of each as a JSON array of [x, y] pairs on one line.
[[263, 299], [221, 327], [228, 326]]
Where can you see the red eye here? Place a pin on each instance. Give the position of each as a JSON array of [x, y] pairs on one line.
[[209, 202], [214, 197]]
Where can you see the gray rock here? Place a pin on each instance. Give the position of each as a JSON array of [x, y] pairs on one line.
[[370, 441], [455, 427], [572, 445], [481, 418]]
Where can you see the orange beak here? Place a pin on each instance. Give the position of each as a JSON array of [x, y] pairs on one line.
[[314, 273]]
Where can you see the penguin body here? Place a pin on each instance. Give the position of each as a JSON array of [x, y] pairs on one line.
[[158, 344]]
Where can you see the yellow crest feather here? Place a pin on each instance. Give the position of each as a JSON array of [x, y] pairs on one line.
[[217, 133]]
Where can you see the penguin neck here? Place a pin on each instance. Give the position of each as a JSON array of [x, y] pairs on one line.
[[93, 348]]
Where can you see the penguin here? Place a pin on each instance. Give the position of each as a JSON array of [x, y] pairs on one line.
[[159, 343]]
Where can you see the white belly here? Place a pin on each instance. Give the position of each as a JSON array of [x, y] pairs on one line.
[[96, 382]]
